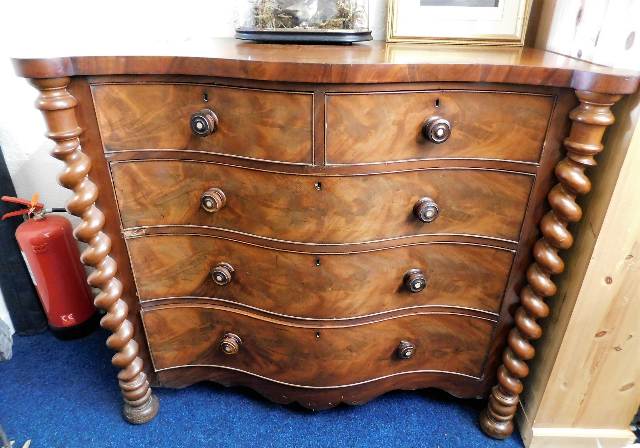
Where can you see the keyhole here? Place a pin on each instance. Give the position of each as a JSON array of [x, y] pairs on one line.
[[318, 186], [317, 335], [317, 262], [205, 97], [437, 102]]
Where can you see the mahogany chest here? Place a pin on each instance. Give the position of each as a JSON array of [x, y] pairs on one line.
[[325, 224]]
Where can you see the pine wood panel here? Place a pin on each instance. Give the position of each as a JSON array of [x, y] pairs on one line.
[[589, 123], [380, 127], [595, 373], [344, 209], [592, 319], [331, 356], [252, 123], [320, 286]]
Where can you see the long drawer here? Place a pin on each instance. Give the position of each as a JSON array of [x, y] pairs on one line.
[[250, 123], [301, 354], [321, 209], [381, 127], [323, 286]]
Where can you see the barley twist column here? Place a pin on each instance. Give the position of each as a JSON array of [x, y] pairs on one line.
[[590, 120], [58, 107]]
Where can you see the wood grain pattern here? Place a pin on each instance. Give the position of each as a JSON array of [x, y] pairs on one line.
[[600, 309], [344, 209], [590, 120], [545, 179], [91, 144], [381, 127], [318, 399], [336, 356], [58, 107], [253, 123], [323, 170], [284, 212], [320, 286], [319, 249], [374, 62]]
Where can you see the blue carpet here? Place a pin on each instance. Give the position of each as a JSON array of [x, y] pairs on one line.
[[64, 394]]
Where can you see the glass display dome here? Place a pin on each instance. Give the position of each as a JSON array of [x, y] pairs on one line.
[[343, 21]]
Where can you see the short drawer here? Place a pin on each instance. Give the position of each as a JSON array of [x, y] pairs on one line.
[[383, 127], [323, 286], [301, 354], [321, 209], [258, 124]]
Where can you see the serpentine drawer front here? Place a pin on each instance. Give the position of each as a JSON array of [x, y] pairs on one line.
[[322, 209], [392, 126], [314, 285], [335, 356], [250, 123], [326, 224]]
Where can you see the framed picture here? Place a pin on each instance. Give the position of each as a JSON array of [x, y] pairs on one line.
[[488, 22]]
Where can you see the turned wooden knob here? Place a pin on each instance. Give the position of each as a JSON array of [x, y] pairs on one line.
[[213, 200], [230, 344], [426, 210], [414, 280], [204, 122], [406, 350], [436, 129], [222, 274]]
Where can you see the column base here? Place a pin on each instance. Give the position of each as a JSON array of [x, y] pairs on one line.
[[493, 428], [141, 414]]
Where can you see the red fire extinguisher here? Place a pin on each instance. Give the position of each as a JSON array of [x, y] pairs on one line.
[[52, 257]]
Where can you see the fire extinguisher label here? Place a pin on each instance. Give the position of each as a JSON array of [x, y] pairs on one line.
[[68, 319], [26, 262]]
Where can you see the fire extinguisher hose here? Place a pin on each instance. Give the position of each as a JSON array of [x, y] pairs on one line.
[[33, 207]]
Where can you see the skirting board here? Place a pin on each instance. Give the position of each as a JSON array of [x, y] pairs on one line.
[[580, 438]]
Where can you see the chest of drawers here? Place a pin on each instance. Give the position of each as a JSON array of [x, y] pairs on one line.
[[325, 224]]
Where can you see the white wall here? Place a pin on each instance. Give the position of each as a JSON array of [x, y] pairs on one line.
[[4, 314], [608, 33], [68, 28]]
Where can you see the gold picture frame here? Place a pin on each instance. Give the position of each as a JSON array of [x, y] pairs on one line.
[[506, 25]]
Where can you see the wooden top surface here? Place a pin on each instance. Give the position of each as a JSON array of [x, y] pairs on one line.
[[373, 62]]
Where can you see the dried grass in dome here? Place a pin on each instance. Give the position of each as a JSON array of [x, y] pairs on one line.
[[270, 14]]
